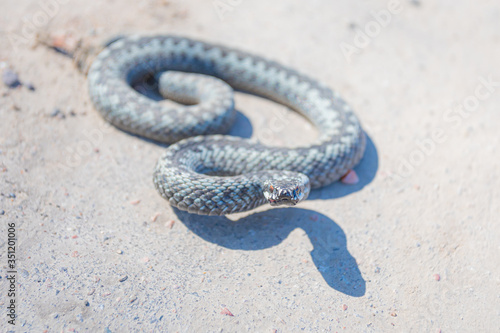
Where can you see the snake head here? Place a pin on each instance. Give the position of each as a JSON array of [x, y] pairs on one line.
[[288, 189]]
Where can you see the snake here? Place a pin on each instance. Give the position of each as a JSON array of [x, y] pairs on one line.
[[202, 170]]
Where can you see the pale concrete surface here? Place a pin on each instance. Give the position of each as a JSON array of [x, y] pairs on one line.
[[353, 258]]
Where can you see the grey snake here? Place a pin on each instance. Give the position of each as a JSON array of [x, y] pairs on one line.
[[203, 171]]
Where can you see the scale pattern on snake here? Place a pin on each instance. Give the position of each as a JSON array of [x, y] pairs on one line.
[[204, 172]]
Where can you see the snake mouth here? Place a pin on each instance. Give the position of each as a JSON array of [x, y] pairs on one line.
[[287, 191]]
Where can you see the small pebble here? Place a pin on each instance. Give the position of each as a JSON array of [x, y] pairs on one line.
[[344, 307], [12, 195], [119, 251], [394, 314], [57, 113], [2, 212], [226, 312], [123, 278], [170, 224], [10, 78], [86, 303], [154, 217], [437, 277], [350, 178], [135, 202], [30, 86]]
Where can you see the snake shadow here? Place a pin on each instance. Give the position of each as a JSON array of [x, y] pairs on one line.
[[269, 228]]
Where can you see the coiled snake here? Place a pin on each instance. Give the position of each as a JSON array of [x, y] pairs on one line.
[[218, 174]]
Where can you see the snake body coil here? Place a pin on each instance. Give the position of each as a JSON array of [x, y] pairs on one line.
[[217, 174]]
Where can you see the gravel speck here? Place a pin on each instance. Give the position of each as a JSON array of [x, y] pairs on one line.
[[226, 312], [10, 78], [57, 113], [123, 278]]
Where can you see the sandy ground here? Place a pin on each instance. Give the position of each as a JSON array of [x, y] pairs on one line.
[[413, 247]]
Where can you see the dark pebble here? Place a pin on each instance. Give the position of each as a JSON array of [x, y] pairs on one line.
[[10, 78], [57, 113], [2, 212], [123, 279], [12, 195], [30, 86], [87, 303]]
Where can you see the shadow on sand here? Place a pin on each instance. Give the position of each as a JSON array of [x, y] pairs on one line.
[[266, 229]]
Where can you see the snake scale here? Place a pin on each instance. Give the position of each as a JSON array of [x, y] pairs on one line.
[[203, 171]]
